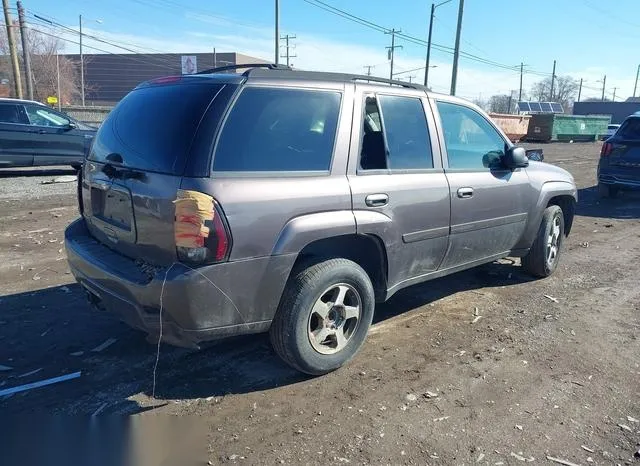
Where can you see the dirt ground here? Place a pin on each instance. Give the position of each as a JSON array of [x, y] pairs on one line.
[[551, 369]]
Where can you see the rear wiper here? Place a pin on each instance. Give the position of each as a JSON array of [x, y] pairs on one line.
[[122, 173]]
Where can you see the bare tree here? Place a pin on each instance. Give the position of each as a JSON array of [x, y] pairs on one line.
[[565, 89], [501, 103], [43, 51]]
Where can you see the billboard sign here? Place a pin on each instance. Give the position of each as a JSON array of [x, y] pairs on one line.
[[189, 64]]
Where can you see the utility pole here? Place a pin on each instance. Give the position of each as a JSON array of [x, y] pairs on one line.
[[456, 53], [635, 88], [604, 84], [553, 80], [12, 49], [81, 65], [580, 90], [277, 32], [25, 51], [510, 100], [58, 74], [521, 72], [392, 49], [368, 67], [614, 93], [215, 58], [287, 47]]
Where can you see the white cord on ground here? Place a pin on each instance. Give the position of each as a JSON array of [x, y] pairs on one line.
[[155, 366], [164, 281]]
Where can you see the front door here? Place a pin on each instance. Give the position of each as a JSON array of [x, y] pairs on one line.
[[399, 189], [489, 203], [54, 140]]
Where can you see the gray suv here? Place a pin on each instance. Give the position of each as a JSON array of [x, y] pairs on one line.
[[291, 202]]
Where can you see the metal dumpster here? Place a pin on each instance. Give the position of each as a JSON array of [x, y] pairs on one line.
[[515, 127], [547, 127]]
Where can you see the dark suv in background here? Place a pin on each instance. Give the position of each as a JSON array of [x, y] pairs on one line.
[[32, 134], [291, 202], [619, 166]]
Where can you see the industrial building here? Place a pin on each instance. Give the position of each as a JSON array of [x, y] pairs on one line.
[[617, 110], [109, 77]]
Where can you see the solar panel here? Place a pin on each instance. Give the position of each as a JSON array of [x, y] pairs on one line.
[[524, 107], [535, 107], [557, 108], [546, 107]]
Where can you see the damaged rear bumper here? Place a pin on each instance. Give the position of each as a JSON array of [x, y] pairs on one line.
[[198, 305]]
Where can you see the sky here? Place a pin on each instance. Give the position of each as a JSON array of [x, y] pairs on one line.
[[587, 38]]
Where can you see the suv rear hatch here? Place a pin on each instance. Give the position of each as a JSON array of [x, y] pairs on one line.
[[624, 149], [160, 132]]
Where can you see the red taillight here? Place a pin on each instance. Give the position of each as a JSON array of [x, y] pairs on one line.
[[607, 148], [200, 232]]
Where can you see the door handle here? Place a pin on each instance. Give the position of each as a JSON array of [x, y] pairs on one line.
[[465, 193], [376, 200]]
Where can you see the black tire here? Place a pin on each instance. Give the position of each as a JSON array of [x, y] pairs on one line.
[[607, 190], [290, 329], [537, 261]]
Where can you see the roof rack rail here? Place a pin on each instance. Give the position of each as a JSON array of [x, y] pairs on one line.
[[220, 69], [388, 81]]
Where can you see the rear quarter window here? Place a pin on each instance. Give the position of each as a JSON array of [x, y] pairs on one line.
[[279, 130], [630, 130], [153, 127]]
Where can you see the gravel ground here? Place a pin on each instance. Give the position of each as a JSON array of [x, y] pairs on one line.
[[550, 370]]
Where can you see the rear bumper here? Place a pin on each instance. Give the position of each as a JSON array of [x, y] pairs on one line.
[[629, 178], [197, 305]]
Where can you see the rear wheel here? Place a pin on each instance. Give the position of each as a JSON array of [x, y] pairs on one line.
[[324, 316], [544, 255], [608, 190]]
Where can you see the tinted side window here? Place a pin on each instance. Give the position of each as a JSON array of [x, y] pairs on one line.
[[11, 114], [40, 116], [279, 130], [405, 127], [153, 127], [472, 142], [630, 130]]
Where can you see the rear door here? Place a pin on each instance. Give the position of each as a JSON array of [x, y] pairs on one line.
[[137, 160], [16, 146], [399, 189], [625, 154], [489, 203], [54, 141]]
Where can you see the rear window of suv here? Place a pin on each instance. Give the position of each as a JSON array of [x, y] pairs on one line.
[[153, 127], [279, 130], [630, 130]]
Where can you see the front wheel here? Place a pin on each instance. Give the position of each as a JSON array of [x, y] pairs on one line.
[[544, 255], [324, 316]]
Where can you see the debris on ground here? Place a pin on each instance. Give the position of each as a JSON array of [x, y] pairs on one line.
[[585, 244], [104, 345], [625, 427], [476, 319], [585, 448], [41, 383], [430, 395], [561, 461], [632, 419], [476, 312], [520, 457], [438, 419], [61, 179], [551, 298], [480, 457], [411, 397]]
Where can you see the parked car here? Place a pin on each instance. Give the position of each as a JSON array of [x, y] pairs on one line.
[[619, 165], [291, 202], [611, 130], [32, 134]]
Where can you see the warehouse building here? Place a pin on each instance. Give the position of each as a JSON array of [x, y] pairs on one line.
[[109, 77], [617, 110]]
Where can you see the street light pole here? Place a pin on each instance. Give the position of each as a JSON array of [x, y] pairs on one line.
[[277, 32], [635, 88], [426, 67], [81, 65]]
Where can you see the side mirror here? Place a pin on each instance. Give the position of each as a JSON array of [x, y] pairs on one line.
[[71, 125], [515, 157]]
